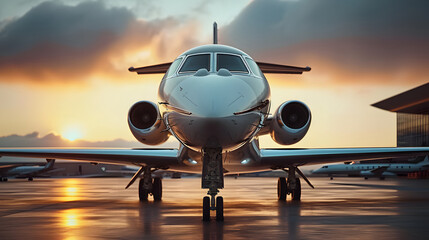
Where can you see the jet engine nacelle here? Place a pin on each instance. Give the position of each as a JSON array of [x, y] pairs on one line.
[[145, 122], [290, 123]]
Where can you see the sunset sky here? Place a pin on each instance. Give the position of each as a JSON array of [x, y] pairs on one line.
[[63, 64]]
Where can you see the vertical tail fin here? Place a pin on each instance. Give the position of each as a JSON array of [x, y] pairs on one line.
[[214, 33], [425, 161], [50, 163]]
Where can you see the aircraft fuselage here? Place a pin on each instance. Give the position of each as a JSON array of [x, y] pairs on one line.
[[214, 109]]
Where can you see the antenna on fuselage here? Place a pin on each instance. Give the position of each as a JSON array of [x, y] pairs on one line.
[[214, 33]]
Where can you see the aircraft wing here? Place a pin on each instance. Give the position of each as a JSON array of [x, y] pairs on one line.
[[284, 69], [161, 158], [3, 167], [158, 68], [280, 158], [379, 170]]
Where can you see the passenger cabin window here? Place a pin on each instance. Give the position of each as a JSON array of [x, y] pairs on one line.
[[254, 67], [196, 62], [173, 67], [231, 62]]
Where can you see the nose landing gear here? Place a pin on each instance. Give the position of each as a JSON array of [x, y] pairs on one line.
[[212, 178]]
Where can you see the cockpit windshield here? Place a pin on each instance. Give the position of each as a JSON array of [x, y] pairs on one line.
[[173, 68], [194, 63], [254, 67], [233, 63]]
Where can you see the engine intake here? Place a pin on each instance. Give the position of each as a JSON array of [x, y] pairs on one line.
[[143, 115], [291, 122], [145, 122]]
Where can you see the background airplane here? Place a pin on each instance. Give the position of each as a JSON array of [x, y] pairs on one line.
[[215, 100], [380, 170], [25, 171]]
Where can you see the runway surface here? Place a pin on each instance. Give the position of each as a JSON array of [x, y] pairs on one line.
[[344, 208]]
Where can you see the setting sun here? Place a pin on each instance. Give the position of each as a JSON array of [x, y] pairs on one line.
[[72, 133]]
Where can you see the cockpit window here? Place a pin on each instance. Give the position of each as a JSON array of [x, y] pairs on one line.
[[196, 62], [231, 62], [325, 167], [173, 67], [254, 67]]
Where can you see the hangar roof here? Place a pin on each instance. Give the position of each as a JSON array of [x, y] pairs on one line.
[[415, 101]]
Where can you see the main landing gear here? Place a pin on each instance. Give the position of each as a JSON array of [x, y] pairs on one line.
[[147, 185], [212, 178], [150, 186], [291, 185]]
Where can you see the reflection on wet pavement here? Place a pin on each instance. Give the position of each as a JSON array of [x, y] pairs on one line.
[[346, 208]]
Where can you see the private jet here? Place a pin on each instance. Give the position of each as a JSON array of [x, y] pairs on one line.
[[215, 100], [25, 171], [380, 170]]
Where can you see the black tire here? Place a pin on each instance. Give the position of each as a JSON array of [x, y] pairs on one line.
[[157, 189], [30, 179], [296, 193], [281, 189], [206, 209], [5, 179], [143, 193], [219, 209]]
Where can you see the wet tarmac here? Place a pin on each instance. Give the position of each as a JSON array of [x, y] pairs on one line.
[[344, 208]]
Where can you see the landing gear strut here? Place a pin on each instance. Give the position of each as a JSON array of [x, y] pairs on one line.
[[212, 178], [149, 185]]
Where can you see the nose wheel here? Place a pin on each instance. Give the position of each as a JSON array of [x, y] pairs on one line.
[[219, 208], [207, 207]]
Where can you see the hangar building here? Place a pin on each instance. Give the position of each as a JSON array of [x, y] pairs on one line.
[[412, 116], [412, 119]]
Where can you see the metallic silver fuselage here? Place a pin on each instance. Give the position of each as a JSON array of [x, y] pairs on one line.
[[202, 113], [211, 110], [208, 104]]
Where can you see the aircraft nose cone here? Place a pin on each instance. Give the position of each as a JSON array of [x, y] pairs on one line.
[[213, 95]]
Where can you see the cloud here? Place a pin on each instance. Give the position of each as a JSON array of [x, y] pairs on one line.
[[56, 42], [52, 140], [348, 40]]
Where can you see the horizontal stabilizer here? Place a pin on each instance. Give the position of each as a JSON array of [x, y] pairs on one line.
[[282, 69], [153, 69], [265, 68]]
